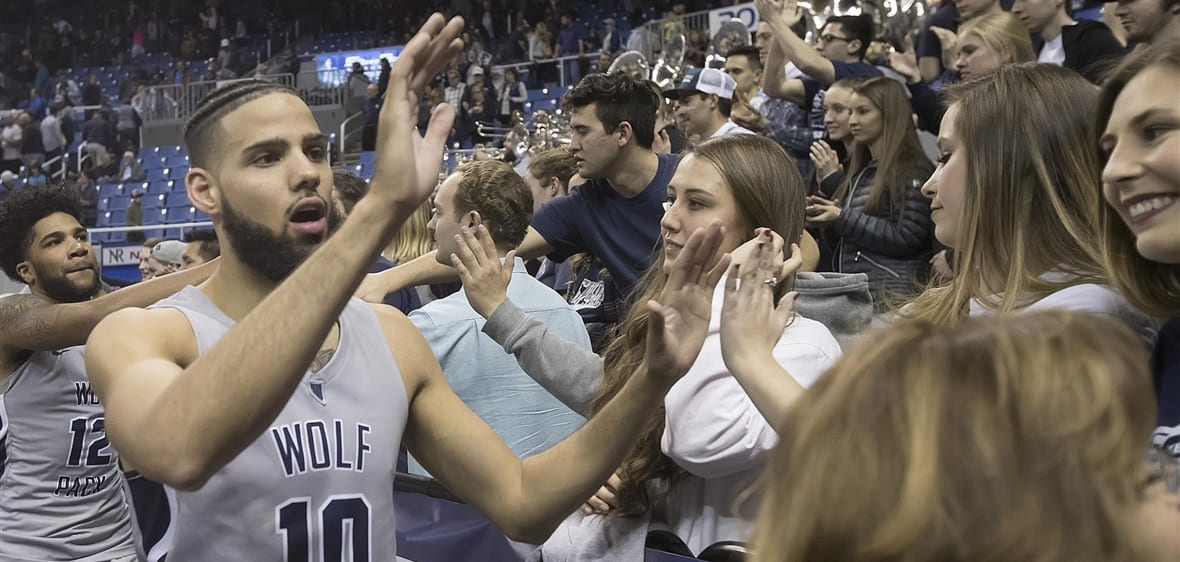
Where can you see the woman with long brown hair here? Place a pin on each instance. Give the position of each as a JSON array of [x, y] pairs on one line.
[[1020, 209], [878, 222], [999, 438], [699, 452]]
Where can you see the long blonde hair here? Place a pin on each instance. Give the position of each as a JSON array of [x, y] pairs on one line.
[[413, 240], [1003, 33], [1002, 438], [1151, 286], [769, 193], [1030, 199]]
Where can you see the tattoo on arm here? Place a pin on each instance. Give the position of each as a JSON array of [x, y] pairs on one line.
[[321, 359], [19, 316]]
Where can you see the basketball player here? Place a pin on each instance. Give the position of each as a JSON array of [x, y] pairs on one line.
[[274, 403], [61, 494]]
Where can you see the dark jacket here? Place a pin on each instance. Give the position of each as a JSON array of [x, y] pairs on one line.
[[893, 253], [1090, 48]]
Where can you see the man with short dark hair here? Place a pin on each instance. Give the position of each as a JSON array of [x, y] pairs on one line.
[[615, 215], [1149, 21], [59, 474], [201, 247], [489, 196], [744, 65]]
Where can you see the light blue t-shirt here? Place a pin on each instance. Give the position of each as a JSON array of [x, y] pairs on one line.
[[487, 379]]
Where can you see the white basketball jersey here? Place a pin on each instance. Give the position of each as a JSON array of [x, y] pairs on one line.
[[61, 493], [317, 485]]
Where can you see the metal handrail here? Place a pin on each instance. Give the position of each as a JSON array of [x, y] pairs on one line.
[[560, 67], [181, 225], [343, 138]]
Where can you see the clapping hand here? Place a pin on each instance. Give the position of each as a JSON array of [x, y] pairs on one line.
[[678, 319], [906, 62], [751, 322], [821, 212], [827, 162]]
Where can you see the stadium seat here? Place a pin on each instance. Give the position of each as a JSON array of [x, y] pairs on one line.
[[118, 203], [152, 202], [110, 189], [161, 187], [176, 198], [178, 215], [157, 174]]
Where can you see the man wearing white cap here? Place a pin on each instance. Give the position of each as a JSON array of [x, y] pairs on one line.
[[170, 255], [704, 99]]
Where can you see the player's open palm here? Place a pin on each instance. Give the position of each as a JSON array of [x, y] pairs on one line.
[[408, 162], [679, 318]]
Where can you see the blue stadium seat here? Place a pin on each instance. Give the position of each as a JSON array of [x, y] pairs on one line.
[[152, 202], [118, 203], [177, 215], [104, 219], [118, 219], [176, 199], [160, 187], [157, 174], [152, 162], [174, 233], [176, 161], [155, 216], [200, 216], [118, 237], [109, 189]]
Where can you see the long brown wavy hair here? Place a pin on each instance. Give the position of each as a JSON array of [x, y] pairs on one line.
[[1031, 199], [1000, 438], [769, 193]]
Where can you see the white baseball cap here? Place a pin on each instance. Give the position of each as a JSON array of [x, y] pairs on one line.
[[705, 80]]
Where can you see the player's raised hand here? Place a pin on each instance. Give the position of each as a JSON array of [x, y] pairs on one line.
[[408, 162]]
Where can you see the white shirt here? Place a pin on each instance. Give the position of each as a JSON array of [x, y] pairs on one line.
[[1088, 297], [713, 430], [731, 128], [12, 138], [1053, 52]]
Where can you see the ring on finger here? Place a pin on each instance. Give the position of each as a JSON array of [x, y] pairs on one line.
[[771, 282]]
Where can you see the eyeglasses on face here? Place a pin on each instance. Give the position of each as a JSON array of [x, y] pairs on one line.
[[828, 38]]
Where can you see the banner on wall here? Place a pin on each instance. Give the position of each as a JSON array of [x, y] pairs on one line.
[[744, 13], [120, 255], [341, 63]]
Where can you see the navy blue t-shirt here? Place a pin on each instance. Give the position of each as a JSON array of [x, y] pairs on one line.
[[620, 231], [406, 299], [1165, 370]]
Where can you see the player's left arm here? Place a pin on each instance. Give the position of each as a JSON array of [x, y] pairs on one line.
[[528, 498], [32, 322]]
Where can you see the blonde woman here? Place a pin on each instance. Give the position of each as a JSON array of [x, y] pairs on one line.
[[1020, 209], [1024, 441], [1140, 220]]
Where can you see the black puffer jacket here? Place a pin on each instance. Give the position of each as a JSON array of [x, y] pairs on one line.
[[895, 254]]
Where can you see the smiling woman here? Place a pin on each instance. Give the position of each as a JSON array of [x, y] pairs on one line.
[[1140, 220]]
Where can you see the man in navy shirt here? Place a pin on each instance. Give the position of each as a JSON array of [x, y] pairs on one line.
[[615, 215]]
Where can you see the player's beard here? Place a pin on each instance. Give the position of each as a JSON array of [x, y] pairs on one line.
[[270, 254], [62, 289]]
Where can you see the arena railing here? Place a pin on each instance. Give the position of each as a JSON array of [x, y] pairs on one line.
[[178, 101]]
